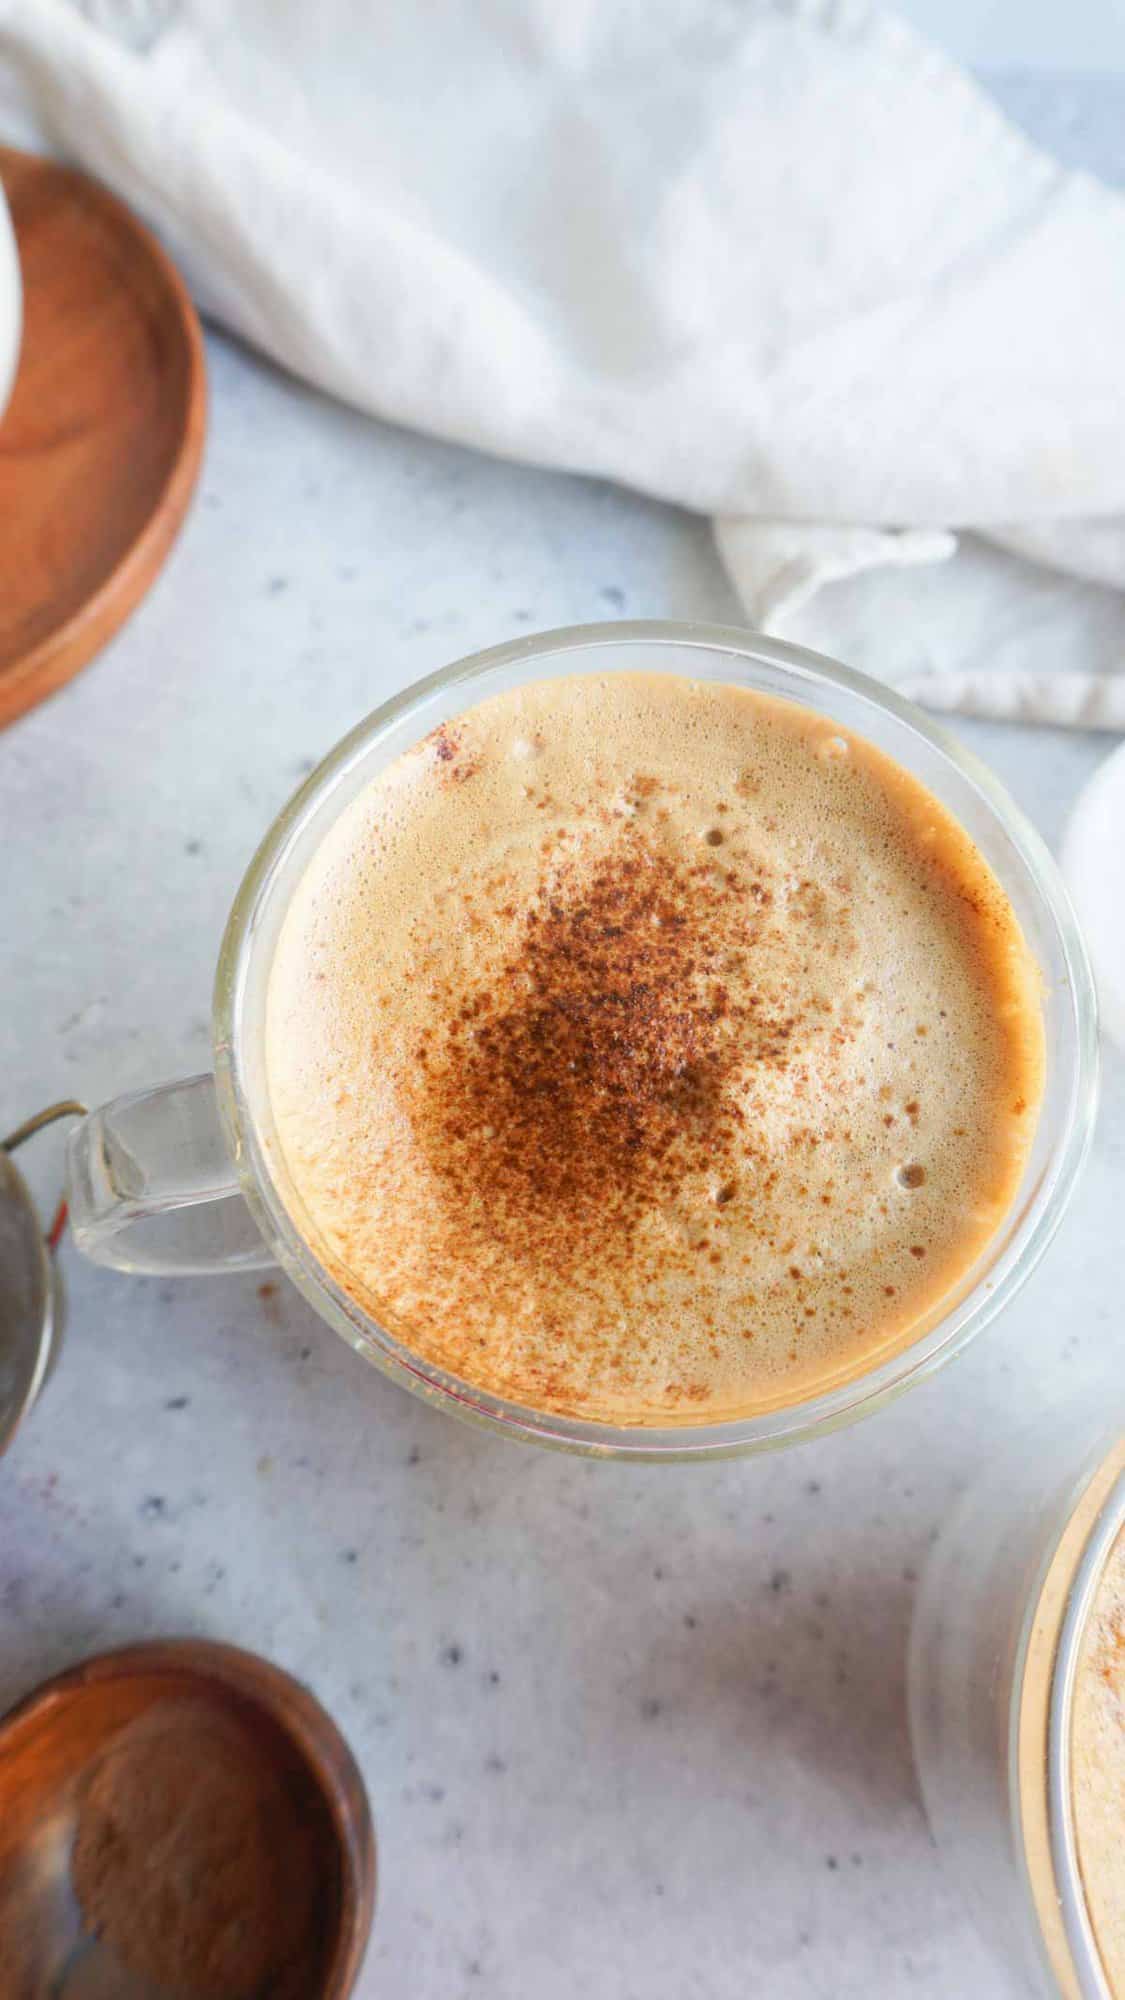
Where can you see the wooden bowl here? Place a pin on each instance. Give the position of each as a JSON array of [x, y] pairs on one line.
[[54, 1743], [101, 443]]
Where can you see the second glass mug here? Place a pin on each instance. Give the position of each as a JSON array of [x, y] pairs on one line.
[[189, 1178]]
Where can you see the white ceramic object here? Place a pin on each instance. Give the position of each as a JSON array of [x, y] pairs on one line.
[[11, 305], [1093, 862]]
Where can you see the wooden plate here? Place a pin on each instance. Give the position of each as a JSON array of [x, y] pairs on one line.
[[55, 1742], [101, 442]]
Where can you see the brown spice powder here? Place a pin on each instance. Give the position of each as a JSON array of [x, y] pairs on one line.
[[591, 1078], [194, 1861]]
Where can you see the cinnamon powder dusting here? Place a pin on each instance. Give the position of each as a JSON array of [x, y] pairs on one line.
[[592, 1075]]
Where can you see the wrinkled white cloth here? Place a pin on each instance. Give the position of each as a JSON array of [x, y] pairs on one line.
[[776, 260]]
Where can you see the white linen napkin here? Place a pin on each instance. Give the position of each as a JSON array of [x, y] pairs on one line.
[[777, 260]]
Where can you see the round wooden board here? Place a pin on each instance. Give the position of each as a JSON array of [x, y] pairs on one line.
[[101, 442]]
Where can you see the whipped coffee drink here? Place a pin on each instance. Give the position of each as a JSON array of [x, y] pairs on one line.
[[650, 1050]]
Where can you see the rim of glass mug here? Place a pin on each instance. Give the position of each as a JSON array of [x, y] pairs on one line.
[[1065, 1865], [723, 654], [999, 1618]]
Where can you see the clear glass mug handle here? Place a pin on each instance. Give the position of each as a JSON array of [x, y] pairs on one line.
[[151, 1186]]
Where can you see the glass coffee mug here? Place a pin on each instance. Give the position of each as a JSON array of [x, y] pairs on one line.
[[997, 1637], [190, 1178]]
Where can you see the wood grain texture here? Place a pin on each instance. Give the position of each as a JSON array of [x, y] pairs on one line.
[[51, 1742], [101, 443]]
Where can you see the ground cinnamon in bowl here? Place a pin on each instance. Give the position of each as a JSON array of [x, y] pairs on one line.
[[195, 1858]]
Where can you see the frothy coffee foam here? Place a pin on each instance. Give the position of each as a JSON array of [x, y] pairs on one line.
[[650, 1050]]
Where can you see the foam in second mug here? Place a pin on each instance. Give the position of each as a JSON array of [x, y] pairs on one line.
[[651, 1050]]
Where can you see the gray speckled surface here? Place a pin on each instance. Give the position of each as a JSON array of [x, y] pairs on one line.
[[627, 1731]]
